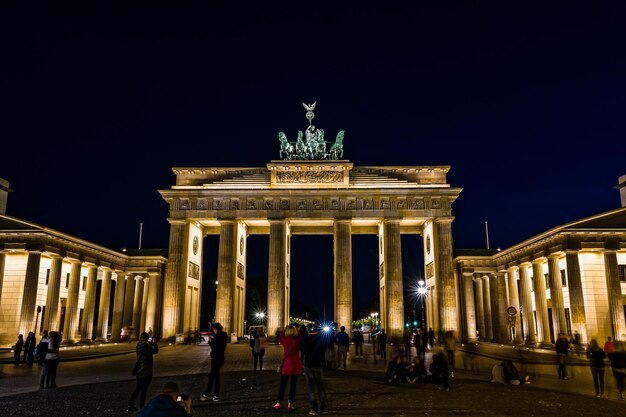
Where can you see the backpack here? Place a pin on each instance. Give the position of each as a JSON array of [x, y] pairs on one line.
[[41, 350]]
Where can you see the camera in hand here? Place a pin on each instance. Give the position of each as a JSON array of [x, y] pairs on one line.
[[182, 397]]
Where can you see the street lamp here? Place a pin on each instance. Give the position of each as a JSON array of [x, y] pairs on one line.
[[421, 294]]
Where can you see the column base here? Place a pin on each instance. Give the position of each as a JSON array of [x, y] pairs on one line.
[[545, 345], [85, 342]]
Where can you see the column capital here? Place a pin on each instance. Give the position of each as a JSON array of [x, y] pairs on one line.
[[525, 264], [223, 222], [539, 260], [387, 220], [467, 273], [512, 268], [343, 220], [443, 219], [176, 221], [556, 255]]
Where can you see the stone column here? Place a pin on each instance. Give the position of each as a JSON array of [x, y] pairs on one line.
[[103, 311], [527, 305], [514, 302], [129, 301], [541, 303], [487, 304], [343, 272], [444, 275], [394, 286], [153, 303], [2, 261], [174, 282], [52, 296], [86, 327], [498, 308], [118, 306], [616, 309], [276, 277], [144, 305], [556, 295], [137, 307], [576, 299], [470, 311], [226, 274], [29, 295], [480, 304], [70, 326]]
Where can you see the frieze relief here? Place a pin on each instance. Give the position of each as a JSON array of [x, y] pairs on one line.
[[309, 177], [332, 203]]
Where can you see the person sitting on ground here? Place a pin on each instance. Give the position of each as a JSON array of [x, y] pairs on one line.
[[440, 370], [416, 371], [497, 373], [166, 404], [396, 369], [511, 375]]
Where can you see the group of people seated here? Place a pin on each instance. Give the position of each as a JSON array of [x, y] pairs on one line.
[[401, 370]]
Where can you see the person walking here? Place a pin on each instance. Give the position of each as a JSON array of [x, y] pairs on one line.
[[258, 343], [431, 337], [314, 348], [450, 344], [143, 370], [381, 339], [417, 341], [596, 363], [609, 345], [618, 366], [218, 350], [29, 348], [291, 366], [17, 349], [562, 348], [343, 345]]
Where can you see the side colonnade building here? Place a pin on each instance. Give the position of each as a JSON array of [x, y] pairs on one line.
[[56, 282], [570, 279]]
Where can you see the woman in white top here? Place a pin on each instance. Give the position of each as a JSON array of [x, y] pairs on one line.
[[52, 359]]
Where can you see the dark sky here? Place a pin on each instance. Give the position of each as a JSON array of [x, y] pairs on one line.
[[525, 102]]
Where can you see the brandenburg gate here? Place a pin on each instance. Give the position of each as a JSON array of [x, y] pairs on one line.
[[310, 190]]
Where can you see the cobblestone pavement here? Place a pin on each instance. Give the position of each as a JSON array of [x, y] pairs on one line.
[[360, 391]]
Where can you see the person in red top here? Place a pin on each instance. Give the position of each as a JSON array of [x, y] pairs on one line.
[[609, 346], [291, 366]]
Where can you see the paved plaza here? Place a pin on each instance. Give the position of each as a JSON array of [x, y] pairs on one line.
[[101, 387]]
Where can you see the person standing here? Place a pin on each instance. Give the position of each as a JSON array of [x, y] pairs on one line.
[[596, 363], [29, 348], [343, 345], [17, 349], [358, 343], [143, 370], [291, 366], [258, 343], [218, 350], [52, 360], [450, 343], [381, 339], [406, 342], [431, 337], [314, 348], [562, 347], [609, 345], [417, 341], [618, 366], [42, 351]]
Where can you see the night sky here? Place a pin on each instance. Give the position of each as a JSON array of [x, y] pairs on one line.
[[526, 103]]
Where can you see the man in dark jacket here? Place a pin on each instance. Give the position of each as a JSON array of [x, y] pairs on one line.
[[314, 348], [165, 404], [218, 347], [143, 370]]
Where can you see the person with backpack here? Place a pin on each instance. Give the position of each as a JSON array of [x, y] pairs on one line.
[[143, 370]]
